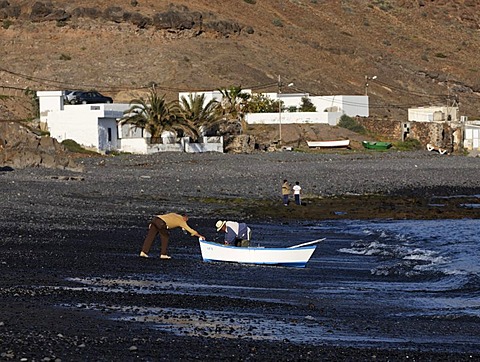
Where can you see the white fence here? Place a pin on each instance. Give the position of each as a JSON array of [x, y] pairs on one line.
[[143, 146]]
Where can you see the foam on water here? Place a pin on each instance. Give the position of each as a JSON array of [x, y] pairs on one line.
[[431, 256], [446, 246]]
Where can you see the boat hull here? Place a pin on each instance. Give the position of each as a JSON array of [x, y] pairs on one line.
[[329, 144], [292, 257], [376, 145]]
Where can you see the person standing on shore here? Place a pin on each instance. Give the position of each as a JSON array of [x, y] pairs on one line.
[[161, 224], [236, 234], [297, 190], [285, 192]]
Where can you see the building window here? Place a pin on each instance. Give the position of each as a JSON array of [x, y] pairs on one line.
[[109, 130]]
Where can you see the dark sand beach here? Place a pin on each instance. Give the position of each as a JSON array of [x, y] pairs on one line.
[[73, 287]]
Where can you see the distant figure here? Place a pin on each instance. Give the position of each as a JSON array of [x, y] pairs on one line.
[[236, 234], [297, 190], [161, 224], [285, 192]]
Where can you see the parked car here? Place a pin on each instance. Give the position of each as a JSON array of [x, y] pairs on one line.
[[69, 94], [81, 97]]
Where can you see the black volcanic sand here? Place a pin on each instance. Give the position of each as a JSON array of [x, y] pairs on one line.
[[74, 289]]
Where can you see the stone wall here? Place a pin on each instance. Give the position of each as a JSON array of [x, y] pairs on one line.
[[442, 135], [388, 130]]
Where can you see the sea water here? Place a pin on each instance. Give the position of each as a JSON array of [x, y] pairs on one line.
[[435, 264], [382, 283]]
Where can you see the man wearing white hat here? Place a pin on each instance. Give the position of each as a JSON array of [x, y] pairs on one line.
[[236, 234]]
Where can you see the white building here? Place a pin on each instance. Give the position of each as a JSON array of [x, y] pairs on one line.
[[93, 126], [433, 114], [209, 95], [472, 135], [329, 109]]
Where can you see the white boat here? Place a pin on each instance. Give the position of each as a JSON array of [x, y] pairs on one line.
[[295, 256], [329, 144]]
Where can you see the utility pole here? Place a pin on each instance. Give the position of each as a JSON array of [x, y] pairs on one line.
[[367, 78], [279, 110]]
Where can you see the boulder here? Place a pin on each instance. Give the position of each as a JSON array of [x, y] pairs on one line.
[[47, 12], [20, 147], [240, 144], [176, 20]]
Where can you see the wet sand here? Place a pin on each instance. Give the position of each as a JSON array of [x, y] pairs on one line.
[[74, 288]]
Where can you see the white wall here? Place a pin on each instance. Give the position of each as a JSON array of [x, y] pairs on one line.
[[86, 124], [208, 144], [134, 145], [472, 137], [431, 114], [346, 104], [107, 134], [49, 101], [209, 95], [288, 99], [330, 118]]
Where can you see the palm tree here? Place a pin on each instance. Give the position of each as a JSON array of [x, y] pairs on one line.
[[156, 116], [234, 103], [198, 113]]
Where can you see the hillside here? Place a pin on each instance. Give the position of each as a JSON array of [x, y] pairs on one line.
[[422, 52]]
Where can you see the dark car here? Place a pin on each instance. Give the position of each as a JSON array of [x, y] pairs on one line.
[[89, 97]]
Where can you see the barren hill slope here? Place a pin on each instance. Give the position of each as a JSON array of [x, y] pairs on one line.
[[422, 52]]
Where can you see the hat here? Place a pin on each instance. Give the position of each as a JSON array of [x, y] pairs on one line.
[[219, 224]]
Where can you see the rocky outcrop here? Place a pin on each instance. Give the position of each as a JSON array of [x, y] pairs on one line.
[[178, 18], [240, 144], [9, 11], [20, 147], [46, 12]]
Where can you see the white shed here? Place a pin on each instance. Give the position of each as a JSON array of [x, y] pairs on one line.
[[472, 136], [433, 114]]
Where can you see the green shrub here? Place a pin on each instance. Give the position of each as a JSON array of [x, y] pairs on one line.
[[260, 103], [6, 23], [73, 146], [250, 1], [350, 124], [383, 5], [307, 105], [409, 144], [65, 57], [277, 22]]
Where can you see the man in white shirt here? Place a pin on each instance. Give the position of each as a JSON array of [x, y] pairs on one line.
[[296, 192]]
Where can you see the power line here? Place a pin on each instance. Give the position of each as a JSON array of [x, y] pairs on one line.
[[45, 81]]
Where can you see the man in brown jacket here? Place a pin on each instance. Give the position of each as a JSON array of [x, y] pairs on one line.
[[160, 225]]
